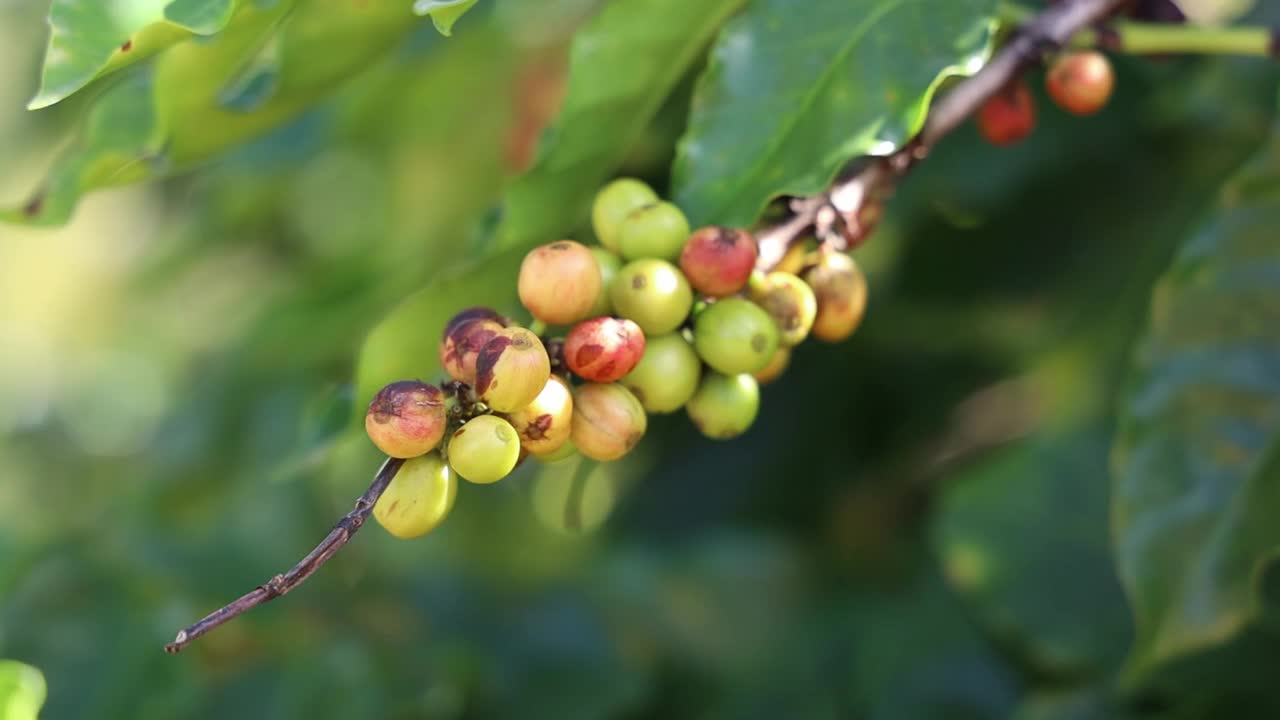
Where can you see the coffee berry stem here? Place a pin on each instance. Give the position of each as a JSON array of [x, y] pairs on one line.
[[1146, 38]]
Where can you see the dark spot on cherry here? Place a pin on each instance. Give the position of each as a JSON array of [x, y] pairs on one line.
[[759, 343], [587, 354], [639, 283], [127, 46]]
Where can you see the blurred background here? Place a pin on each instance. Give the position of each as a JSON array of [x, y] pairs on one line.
[[917, 526]]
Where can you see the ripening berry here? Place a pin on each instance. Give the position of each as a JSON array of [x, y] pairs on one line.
[[418, 497], [790, 302], [406, 419], [543, 425], [1008, 116], [462, 345], [609, 265], [613, 203], [653, 231], [718, 261], [511, 369], [603, 349], [653, 293], [559, 282], [777, 365], [484, 450], [608, 421], [735, 336], [841, 289], [473, 313], [725, 405], [667, 375], [1081, 82]]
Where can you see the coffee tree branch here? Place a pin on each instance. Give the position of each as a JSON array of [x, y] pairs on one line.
[[844, 214], [840, 215], [281, 584]]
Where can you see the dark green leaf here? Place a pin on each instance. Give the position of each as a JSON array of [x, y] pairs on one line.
[[1024, 538], [22, 691], [790, 95], [1194, 499], [89, 38], [623, 65]]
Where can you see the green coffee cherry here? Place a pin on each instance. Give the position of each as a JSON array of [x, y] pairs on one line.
[[667, 375], [613, 203], [484, 450], [418, 497], [790, 302], [609, 264], [735, 336], [653, 293], [653, 231], [725, 405]]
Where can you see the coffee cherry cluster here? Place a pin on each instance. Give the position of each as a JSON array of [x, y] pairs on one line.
[[1080, 82], [655, 319]]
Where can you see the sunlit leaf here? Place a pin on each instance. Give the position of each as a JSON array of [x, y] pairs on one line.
[[443, 13], [790, 95]]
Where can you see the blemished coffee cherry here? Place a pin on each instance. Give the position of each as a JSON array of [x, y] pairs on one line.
[[777, 365], [841, 289], [1081, 82], [666, 376], [653, 231], [462, 345], [484, 450], [603, 349], [725, 405], [473, 313], [418, 497], [653, 293], [406, 419], [511, 369], [559, 282], [718, 261], [609, 265], [1008, 116], [608, 421], [735, 336], [614, 202], [543, 425], [790, 302]]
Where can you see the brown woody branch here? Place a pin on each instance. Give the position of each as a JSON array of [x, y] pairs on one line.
[[843, 215], [281, 584]]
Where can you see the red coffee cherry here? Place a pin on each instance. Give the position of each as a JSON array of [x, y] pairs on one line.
[[1008, 116], [604, 349], [406, 419], [559, 282], [1081, 82], [718, 261]]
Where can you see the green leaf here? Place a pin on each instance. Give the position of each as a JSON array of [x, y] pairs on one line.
[[203, 96], [1194, 492], [790, 96], [444, 13], [22, 691], [1024, 538], [1083, 704], [623, 65], [90, 38], [405, 345]]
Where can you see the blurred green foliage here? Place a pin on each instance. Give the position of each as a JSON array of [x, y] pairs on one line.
[[920, 525]]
